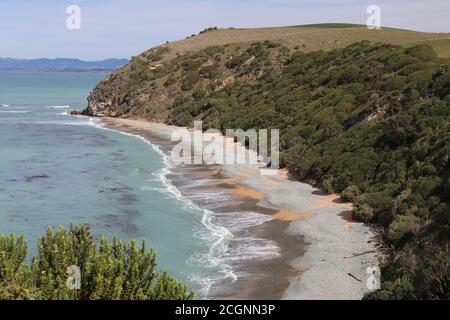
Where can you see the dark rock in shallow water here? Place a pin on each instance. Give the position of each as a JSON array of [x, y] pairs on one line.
[[32, 178], [86, 112], [127, 199], [122, 222]]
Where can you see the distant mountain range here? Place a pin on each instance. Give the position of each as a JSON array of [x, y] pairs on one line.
[[60, 64]]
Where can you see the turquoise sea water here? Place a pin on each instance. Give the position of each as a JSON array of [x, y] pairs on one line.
[[56, 169]]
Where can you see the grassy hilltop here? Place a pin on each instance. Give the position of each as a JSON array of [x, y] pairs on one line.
[[362, 112], [326, 36]]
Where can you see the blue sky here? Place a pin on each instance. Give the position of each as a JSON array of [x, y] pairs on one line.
[[122, 28]]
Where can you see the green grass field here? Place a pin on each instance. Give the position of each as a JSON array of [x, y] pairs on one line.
[[306, 38], [442, 47], [326, 36]]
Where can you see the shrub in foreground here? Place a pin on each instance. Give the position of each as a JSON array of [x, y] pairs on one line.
[[108, 270]]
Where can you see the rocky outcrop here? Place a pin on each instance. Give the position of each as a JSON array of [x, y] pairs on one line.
[[97, 109], [94, 109], [99, 102], [157, 81]]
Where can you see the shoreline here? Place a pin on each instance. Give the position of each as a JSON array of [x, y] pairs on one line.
[[322, 250]]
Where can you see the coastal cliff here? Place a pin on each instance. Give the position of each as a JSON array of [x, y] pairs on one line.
[[370, 121], [170, 74], [157, 81]]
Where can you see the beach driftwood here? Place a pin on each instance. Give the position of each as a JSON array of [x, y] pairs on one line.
[[354, 277], [360, 254]]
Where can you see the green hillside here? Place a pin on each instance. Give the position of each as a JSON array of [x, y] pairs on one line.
[[368, 120]]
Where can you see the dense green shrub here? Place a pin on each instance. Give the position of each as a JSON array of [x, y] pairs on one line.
[[210, 72], [199, 94], [327, 185], [170, 81], [214, 50], [423, 52], [190, 79], [402, 289], [403, 227], [395, 83], [349, 74], [113, 270], [351, 193], [237, 61], [191, 65], [442, 84], [363, 212], [438, 275]]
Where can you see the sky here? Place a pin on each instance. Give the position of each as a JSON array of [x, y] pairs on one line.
[[124, 28]]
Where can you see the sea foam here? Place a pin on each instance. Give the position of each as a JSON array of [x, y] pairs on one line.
[[217, 236], [14, 111], [58, 107]]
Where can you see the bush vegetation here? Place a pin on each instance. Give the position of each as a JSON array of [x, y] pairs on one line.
[[114, 270], [370, 121]]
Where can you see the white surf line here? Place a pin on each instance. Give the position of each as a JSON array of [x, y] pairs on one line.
[[221, 234], [14, 111], [58, 107]]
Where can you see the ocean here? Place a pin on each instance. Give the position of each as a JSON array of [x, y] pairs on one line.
[[56, 169]]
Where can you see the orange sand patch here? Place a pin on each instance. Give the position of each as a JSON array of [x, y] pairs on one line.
[[245, 192], [232, 181], [226, 181], [302, 270], [241, 190], [330, 201], [286, 215]]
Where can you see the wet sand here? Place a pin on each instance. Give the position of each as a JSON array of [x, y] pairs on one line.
[[317, 243], [259, 278]]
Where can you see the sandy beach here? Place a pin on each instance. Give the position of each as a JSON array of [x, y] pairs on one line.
[[321, 252]]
